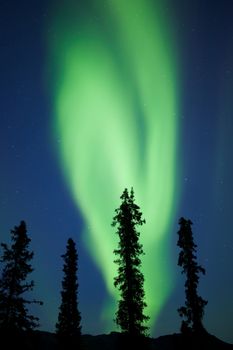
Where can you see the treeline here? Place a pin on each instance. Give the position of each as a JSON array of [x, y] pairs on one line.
[[16, 267]]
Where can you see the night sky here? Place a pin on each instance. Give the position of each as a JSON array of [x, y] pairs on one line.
[[55, 172]]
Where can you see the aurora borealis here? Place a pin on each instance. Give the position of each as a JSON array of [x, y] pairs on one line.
[[116, 102], [101, 95]]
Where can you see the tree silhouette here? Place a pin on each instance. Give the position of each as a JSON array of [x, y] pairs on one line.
[[14, 315], [130, 280], [69, 317], [193, 311]]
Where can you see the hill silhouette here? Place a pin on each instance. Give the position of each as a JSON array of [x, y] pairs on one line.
[[40, 340]]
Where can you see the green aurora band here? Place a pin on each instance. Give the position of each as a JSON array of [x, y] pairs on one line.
[[115, 107]]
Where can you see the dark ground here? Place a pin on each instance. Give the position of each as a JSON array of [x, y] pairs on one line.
[[48, 341]]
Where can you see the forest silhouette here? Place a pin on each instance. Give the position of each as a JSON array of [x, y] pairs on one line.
[[18, 326]]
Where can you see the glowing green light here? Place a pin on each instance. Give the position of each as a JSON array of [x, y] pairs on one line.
[[115, 113]]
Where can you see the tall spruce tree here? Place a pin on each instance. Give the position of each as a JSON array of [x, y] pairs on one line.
[[14, 315], [69, 317], [130, 280], [193, 311]]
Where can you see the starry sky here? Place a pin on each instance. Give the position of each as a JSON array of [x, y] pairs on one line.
[[40, 169]]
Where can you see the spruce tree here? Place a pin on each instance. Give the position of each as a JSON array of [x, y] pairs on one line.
[[69, 317], [130, 280], [16, 259], [193, 311]]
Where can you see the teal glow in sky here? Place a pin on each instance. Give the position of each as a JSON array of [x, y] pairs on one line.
[[116, 102]]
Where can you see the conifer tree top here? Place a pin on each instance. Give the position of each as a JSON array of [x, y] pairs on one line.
[[130, 280], [193, 311], [16, 260], [69, 317]]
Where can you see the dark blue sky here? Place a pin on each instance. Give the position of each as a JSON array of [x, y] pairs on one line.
[[32, 186]]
